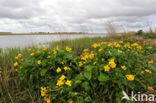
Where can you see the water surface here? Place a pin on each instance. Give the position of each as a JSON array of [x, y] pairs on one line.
[[10, 41]]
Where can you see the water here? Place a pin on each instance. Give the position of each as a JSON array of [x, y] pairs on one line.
[[10, 41]]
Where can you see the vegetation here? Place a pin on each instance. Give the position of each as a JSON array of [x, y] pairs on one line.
[[76, 71], [146, 35]]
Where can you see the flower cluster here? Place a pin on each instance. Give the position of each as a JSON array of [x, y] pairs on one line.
[[62, 81], [68, 49], [44, 94]]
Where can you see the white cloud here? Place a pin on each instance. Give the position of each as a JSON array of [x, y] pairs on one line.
[[74, 15]]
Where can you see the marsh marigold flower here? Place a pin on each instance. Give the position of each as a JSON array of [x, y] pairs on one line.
[[29, 49], [70, 101], [15, 64], [150, 88], [130, 77], [48, 57], [100, 50], [62, 77], [32, 54], [123, 67], [66, 68], [68, 82], [112, 63], [120, 51], [39, 62], [68, 49], [150, 62], [47, 99], [148, 71], [38, 52], [150, 47], [45, 48], [58, 70], [80, 64], [59, 83], [107, 68], [102, 59]]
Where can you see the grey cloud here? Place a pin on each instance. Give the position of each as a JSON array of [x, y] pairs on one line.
[[75, 15]]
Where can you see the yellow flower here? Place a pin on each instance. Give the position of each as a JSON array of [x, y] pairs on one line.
[[70, 64], [120, 41], [22, 60], [95, 62], [135, 44], [48, 57], [43, 91], [150, 88], [39, 62], [54, 52], [117, 45], [32, 54], [68, 82], [49, 52], [59, 83], [85, 50], [56, 87], [107, 68], [150, 62], [80, 64], [29, 49], [147, 70], [150, 47], [142, 72], [120, 51], [47, 99], [62, 77], [102, 59], [20, 55], [65, 68], [68, 49], [45, 48], [15, 64], [58, 70], [95, 45], [38, 52], [112, 63], [62, 62], [123, 67], [70, 101], [16, 57], [100, 50], [130, 77]]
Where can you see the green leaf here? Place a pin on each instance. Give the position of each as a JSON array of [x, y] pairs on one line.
[[43, 72], [103, 77], [88, 75], [86, 86], [88, 72]]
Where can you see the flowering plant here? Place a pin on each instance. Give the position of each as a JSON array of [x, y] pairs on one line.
[[97, 75]]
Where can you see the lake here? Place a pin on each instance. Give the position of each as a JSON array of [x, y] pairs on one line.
[[10, 41]]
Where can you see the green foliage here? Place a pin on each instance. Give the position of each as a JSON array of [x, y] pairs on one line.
[[150, 36], [97, 75], [140, 33]]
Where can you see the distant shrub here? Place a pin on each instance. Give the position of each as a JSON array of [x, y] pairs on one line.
[[95, 76], [139, 33]]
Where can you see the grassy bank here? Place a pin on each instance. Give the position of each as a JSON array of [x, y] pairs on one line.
[[13, 92]]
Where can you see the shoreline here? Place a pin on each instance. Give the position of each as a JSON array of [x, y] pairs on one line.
[[2, 34]]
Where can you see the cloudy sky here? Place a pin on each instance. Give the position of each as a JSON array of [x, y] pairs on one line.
[[76, 15]]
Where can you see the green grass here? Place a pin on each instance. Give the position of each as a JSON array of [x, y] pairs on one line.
[[150, 36], [10, 91]]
